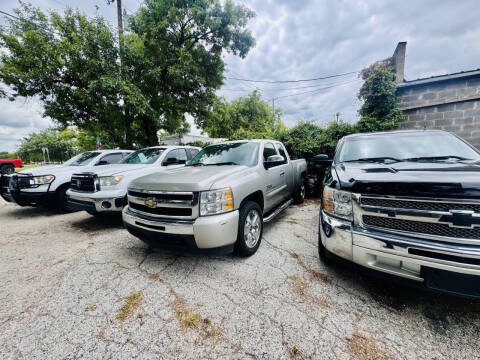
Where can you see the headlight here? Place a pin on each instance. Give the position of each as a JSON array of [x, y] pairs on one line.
[[337, 202], [42, 180], [110, 180], [216, 202]]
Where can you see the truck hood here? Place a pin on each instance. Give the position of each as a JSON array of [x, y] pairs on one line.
[[188, 178], [121, 169], [439, 179], [45, 170]]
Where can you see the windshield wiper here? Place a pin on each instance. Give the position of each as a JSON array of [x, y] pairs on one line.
[[375, 159], [197, 164], [436, 158], [224, 163]]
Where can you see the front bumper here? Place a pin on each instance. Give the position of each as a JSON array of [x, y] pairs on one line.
[[25, 196], [112, 201], [215, 234], [445, 267]]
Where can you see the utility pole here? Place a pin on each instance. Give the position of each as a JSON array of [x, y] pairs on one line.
[[120, 24], [273, 105], [337, 116]]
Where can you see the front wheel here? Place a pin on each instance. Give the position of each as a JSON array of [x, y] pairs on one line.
[[250, 229]]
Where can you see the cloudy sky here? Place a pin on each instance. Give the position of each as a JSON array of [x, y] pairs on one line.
[[301, 39]]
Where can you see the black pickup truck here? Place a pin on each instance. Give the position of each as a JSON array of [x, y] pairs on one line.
[[405, 204]]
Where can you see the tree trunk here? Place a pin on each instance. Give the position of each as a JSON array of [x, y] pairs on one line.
[[150, 132]]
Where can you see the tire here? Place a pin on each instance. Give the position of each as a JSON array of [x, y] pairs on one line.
[[322, 251], [299, 195], [7, 169], [61, 200], [248, 245]]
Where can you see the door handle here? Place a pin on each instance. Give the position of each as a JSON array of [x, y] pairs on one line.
[[282, 172]]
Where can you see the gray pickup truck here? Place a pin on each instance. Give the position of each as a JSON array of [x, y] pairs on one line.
[[219, 201]]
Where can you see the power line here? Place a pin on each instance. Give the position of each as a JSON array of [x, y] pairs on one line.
[[291, 81], [313, 92], [7, 14]]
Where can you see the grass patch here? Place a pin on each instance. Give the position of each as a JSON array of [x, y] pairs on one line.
[[363, 348], [294, 351], [189, 319], [26, 167], [90, 308], [130, 305]]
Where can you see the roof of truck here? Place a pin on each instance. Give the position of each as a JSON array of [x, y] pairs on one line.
[[414, 131]]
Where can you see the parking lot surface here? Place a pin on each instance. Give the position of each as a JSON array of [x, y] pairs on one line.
[[73, 286]]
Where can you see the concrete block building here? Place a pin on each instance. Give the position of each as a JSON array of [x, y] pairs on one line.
[[449, 102]]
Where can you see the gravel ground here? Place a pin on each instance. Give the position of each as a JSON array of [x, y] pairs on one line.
[[73, 286]]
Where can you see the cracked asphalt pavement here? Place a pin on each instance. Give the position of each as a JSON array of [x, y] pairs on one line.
[[75, 286]]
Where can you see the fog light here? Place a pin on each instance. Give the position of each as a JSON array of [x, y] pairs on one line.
[[106, 205]]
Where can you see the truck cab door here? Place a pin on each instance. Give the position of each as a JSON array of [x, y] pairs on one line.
[[175, 158], [275, 179]]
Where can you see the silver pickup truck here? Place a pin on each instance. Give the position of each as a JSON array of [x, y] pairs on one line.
[[219, 201]]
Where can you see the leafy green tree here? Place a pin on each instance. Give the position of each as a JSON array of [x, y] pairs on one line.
[[245, 117], [379, 110], [60, 148], [171, 64]]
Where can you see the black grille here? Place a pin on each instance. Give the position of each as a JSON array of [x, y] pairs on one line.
[[419, 205], [168, 211], [163, 197], [421, 227], [83, 182]]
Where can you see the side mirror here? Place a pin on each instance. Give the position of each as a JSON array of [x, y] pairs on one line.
[[171, 161], [273, 161], [103, 162], [322, 160]]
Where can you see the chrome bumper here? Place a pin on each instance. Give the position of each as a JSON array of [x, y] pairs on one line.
[[396, 254], [95, 204], [208, 232]]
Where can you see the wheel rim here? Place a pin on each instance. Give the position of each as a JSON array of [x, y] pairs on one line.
[[302, 192], [252, 228]]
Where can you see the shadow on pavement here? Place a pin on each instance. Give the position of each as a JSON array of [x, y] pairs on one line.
[[100, 222], [16, 211]]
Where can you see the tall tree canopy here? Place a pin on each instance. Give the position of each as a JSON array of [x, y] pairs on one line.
[[171, 64], [244, 117]]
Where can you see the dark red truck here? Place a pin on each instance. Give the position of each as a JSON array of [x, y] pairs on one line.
[[7, 166]]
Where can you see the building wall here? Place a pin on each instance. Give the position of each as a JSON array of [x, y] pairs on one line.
[[451, 105]]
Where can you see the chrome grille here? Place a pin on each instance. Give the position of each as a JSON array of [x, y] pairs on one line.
[[446, 220], [419, 205], [164, 204], [421, 227], [87, 182]]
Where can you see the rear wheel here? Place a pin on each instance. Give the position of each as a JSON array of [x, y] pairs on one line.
[[250, 229], [299, 196], [7, 169]]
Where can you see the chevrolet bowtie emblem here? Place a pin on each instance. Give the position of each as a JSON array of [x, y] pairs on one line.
[[465, 219], [150, 203]]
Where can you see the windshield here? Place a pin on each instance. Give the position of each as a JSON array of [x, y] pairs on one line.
[[241, 153], [405, 146], [82, 159], [144, 156]]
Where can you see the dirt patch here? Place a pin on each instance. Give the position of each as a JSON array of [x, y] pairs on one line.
[[315, 201], [130, 305], [153, 276], [294, 351], [362, 347], [291, 221], [314, 274], [299, 287]]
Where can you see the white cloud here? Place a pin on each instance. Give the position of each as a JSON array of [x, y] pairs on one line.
[[298, 39]]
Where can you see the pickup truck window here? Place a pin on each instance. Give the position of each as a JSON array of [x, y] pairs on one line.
[[403, 147], [281, 151], [82, 159], [239, 153], [144, 156], [178, 154], [111, 158], [268, 150]]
